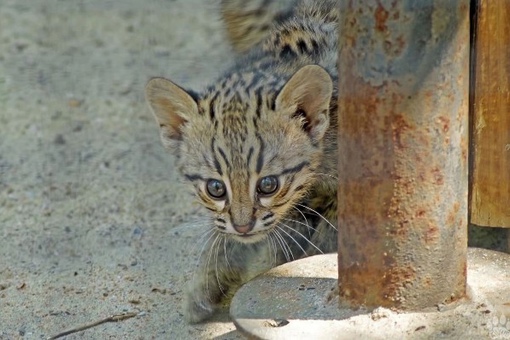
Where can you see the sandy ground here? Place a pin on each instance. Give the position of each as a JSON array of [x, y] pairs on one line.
[[91, 209]]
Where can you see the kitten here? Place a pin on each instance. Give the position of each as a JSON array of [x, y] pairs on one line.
[[258, 146]]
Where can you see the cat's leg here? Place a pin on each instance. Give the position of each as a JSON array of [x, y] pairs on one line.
[[211, 282], [225, 266]]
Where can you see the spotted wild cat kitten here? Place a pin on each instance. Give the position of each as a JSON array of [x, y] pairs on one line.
[[258, 147]]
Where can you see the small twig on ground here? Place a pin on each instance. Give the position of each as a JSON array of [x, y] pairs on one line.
[[111, 318]]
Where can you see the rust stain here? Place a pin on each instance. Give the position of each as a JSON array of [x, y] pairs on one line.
[[399, 126], [387, 284], [437, 176], [464, 149], [397, 278], [381, 16], [420, 213], [445, 123], [432, 234], [401, 44], [452, 215]]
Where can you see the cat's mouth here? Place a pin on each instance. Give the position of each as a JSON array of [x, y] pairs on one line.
[[249, 238]]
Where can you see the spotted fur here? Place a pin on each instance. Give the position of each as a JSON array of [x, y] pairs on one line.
[[269, 123]]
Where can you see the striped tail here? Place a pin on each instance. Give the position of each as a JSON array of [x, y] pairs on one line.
[[248, 22]]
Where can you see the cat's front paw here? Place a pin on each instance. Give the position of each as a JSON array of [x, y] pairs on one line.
[[197, 308]]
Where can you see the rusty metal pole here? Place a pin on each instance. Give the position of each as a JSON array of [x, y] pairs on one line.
[[403, 146]]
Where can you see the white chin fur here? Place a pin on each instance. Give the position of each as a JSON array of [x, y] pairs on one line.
[[250, 239]]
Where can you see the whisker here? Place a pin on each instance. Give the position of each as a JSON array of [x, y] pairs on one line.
[[197, 264], [211, 233], [201, 238], [301, 223], [292, 238], [225, 252], [303, 236], [288, 247], [216, 266], [285, 246], [276, 257], [209, 257], [318, 214], [291, 256], [306, 221], [272, 246], [269, 244], [326, 175]]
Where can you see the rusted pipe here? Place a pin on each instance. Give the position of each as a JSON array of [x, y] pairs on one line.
[[403, 146]]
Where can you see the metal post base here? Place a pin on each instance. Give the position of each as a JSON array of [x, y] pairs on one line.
[[297, 301]]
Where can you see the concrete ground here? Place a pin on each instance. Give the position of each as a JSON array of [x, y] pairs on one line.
[[91, 209], [298, 301]]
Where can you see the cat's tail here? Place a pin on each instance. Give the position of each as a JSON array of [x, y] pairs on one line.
[[248, 22]]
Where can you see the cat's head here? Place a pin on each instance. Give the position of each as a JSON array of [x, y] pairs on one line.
[[249, 152]]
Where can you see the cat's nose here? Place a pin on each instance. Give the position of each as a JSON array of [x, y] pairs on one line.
[[245, 228]]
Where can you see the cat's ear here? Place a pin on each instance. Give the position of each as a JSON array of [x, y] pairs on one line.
[[308, 94], [172, 106]]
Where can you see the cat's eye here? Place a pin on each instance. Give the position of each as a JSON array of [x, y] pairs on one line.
[[216, 188], [267, 185]]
